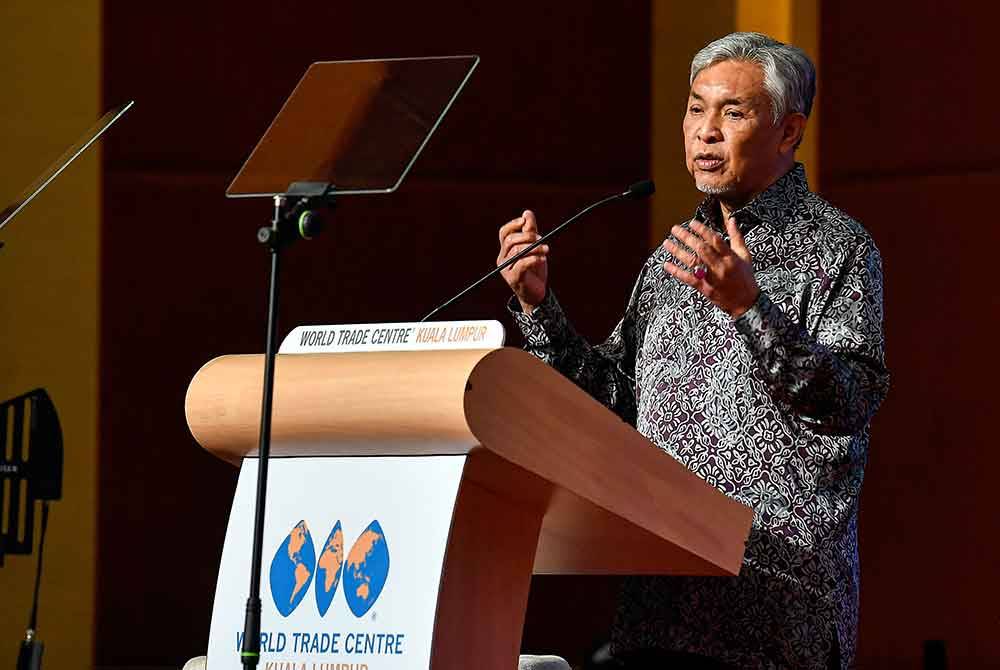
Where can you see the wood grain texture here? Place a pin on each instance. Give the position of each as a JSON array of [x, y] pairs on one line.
[[537, 419], [615, 502], [335, 404], [487, 568]]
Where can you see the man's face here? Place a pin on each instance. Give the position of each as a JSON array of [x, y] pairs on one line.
[[732, 148]]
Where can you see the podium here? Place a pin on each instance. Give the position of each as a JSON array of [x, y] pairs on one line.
[[505, 468]]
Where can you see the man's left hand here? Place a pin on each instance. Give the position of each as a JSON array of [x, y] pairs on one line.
[[726, 269]]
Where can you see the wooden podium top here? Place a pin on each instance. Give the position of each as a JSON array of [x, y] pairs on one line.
[[614, 502]]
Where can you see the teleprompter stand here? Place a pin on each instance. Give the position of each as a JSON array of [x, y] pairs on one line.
[[295, 217], [359, 125]]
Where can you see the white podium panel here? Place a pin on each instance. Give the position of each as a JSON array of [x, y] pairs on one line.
[[352, 561]]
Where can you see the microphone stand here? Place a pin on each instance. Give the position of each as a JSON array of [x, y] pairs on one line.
[[294, 217], [29, 656], [636, 191]]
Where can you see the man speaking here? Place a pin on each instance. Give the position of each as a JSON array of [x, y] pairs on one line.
[[751, 350]]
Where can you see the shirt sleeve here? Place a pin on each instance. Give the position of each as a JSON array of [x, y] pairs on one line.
[[606, 371], [833, 378]]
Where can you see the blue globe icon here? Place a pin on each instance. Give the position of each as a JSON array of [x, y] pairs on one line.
[[366, 569], [292, 569], [328, 569]]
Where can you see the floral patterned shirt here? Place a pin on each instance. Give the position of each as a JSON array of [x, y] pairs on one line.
[[771, 408]]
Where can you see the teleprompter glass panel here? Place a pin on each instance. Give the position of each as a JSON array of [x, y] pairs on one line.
[[60, 164], [355, 125]]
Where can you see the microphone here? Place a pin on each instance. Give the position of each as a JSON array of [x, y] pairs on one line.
[[637, 191], [640, 190]]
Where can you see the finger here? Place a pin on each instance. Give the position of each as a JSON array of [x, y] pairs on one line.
[[711, 238], [530, 262], [512, 226], [684, 276], [518, 248], [526, 264], [540, 250], [511, 246], [681, 254], [736, 240], [696, 244], [519, 238], [530, 225], [515, 239]]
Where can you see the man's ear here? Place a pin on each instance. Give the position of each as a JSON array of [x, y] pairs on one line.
[[792, 130]]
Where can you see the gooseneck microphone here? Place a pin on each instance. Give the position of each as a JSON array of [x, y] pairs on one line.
[[636, 191]]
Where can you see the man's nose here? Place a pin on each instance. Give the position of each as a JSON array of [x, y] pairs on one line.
[[709, 131]]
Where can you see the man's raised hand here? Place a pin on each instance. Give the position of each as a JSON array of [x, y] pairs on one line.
[[529, 276], [726, 277]]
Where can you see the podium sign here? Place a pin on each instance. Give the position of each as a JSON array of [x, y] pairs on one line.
[[353, 553], [417, 336]]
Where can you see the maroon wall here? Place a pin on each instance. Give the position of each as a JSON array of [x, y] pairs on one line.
[[908, 93], [555, 116]]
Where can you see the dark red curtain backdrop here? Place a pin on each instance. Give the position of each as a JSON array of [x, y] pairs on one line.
[[556, 115], [909, 147]]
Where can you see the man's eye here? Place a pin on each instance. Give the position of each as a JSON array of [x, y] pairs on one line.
[[694, 109], [733, 114]]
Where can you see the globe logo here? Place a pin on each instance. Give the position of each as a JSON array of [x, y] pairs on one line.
[[363, 570], [292, 569], [367, 568], [331, 565]]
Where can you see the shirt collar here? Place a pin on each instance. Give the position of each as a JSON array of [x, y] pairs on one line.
[[772, 206]]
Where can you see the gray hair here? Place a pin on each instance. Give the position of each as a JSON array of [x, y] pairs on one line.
[[789, 75]]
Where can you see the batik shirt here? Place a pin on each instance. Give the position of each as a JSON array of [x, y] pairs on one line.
[[771, 408]]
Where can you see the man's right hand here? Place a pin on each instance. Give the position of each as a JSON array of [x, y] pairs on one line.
[[527, 277]]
